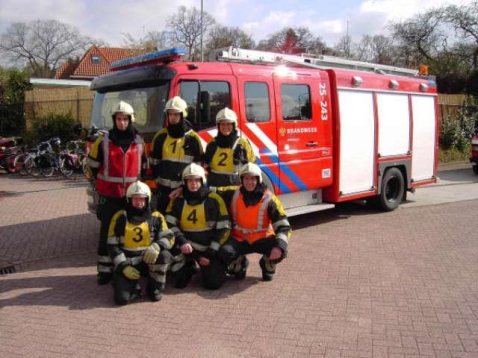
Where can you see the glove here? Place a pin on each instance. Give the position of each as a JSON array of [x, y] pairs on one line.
[[131, 273], [151, 254]]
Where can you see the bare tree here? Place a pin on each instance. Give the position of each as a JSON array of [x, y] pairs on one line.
[[464, 20], [345, 46], [376, 49], [152, 41], [423, 34], [293, 40], [223, 36], [42, 45], [186, 28]]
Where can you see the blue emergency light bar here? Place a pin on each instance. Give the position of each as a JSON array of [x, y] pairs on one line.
[[158, 57]]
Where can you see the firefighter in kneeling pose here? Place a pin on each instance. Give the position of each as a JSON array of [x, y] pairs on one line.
[[200, 223], [138, 244], [259, 224]]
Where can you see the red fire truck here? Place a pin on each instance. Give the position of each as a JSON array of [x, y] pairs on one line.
[[326, 130]]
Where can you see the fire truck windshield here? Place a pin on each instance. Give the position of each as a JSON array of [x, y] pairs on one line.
[[148, 104]]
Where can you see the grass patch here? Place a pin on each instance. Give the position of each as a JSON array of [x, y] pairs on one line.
[[452, 155]]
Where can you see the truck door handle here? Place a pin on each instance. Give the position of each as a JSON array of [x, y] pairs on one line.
[[311, 144]]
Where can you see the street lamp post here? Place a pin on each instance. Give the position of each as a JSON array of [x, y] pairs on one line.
[[202, 55]]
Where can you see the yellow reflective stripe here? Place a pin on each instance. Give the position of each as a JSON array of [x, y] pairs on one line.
[[214, 245], [283, 237], [119, 259], [172, 220], [117, 179], [169, 183], [165, 242], [104, 259], [260, 223], [235, 196], [197, 246], [113, 240], [223, 224], [93, 163], [283, 222], [136, 260], [250, 231]]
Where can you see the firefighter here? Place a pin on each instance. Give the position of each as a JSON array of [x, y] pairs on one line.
[[116, 160], [172, 149], [227, 152], [138, 244], [259, 224], [200, 222]]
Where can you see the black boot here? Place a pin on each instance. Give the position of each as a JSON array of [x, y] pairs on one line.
[[103, 278], [154, 290], [186, 274], [241, 275], [266, 275]]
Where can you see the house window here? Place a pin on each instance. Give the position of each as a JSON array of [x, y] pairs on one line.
[[95, 59]]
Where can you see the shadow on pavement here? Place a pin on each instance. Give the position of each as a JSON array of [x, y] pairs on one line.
[[61, 242], [458, 175], [78, 292]]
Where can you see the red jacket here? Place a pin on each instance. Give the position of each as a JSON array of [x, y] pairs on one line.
[[119, 169]]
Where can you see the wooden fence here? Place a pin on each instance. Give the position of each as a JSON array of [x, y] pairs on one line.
[[74, 101], [450, 104]]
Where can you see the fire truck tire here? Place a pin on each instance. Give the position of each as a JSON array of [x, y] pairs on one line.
[[475, 169], [392, 192]]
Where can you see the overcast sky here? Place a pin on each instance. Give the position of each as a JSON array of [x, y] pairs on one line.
[[109, 19]]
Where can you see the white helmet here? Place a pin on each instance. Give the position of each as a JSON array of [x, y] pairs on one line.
[[194, 170], [227, 115], [125, 108], [177, 104], [252, 169], [138, 188]]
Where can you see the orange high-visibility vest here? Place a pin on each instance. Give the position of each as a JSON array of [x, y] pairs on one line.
[[119, 169], [250, 223]]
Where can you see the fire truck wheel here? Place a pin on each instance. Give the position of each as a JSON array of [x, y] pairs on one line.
[[475, 169], [393, 187]]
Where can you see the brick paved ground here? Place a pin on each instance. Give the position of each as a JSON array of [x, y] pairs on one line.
[[357, 283]]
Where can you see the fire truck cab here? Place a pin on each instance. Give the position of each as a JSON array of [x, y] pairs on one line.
[[325, 130]]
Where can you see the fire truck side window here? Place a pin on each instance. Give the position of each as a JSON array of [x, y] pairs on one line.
[[216, 93], [295, 101], [257, 102]]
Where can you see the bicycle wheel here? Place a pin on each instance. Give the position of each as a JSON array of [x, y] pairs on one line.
[[47, 164], [19, 164], [65, 170], [31, 166]]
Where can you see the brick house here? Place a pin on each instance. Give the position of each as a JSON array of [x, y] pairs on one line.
[[96, 61], [68, 93]]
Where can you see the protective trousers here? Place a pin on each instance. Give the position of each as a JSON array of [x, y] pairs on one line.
[[126, 290], [232, 254], [107, 207], [186, 266]]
